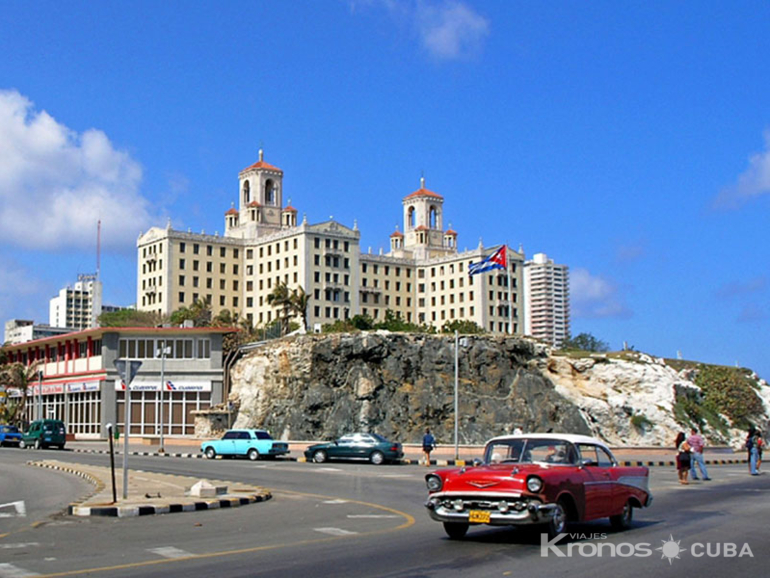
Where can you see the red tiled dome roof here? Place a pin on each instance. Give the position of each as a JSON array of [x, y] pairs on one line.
[[423, 192], [253, 204], [232, 211], [397, 234], [289, 209], [451, 232]]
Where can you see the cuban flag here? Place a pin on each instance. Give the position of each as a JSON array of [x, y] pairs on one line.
[[497, 260], [170, 386]]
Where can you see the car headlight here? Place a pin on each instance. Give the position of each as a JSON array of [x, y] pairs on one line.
[[534, 484], [433, 482]]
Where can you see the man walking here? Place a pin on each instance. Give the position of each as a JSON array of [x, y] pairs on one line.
[[696, 443]]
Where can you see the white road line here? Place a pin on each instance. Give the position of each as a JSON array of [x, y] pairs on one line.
[[328, 469], [335, 502], [11, 571], [372, 516], [21, 545], [335, 531], [170, 552], [19, 507]]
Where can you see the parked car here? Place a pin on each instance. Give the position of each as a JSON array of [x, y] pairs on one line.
[[251, 443], [362, 446], [44, 433], [9, 435], [538, 479]]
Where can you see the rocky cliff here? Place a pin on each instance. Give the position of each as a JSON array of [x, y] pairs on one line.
[[321, 386]]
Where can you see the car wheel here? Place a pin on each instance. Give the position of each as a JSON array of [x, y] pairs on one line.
[[38, 444], [377, 458], [319, 456], [253, 454], [455, 530], [22, 444], [623, 520], [558, 523], [210, 453]]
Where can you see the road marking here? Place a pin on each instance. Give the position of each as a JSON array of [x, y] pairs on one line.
[[170, 552], [335, 531], [335, 502], [11, 571], [21, 509], [328, 469], [21, 545], [372, 516]]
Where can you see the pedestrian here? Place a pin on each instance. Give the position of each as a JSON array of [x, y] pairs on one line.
[[428, 445], [696, 455], [682, 457], [752, 445], [760, 446]]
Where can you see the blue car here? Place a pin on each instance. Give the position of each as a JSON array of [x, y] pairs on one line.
[[9, 435], [251, 443]]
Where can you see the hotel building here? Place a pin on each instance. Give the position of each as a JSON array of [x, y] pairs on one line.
[[423, 277]]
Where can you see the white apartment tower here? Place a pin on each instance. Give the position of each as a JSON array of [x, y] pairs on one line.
[[546, 296], [77, 307]]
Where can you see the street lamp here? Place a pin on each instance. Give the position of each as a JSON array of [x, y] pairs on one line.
[[162, 351]]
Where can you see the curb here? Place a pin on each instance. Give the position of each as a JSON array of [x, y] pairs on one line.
[[150, 510], [77, 509], [410, 461]]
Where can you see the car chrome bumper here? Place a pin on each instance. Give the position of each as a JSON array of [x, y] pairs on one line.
[[532, 513]]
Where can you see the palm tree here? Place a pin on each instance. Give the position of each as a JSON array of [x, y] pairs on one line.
[[16, 376], [299, 303], [281, 298]]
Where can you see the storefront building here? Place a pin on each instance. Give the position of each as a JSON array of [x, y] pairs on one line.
[[79, 384]]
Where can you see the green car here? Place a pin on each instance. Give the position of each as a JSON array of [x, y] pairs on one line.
[[357, 446], [44, 433]]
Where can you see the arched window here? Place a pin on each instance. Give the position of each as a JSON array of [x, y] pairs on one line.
[[246, 193], [433, 217], [410, 218], [269, 192]]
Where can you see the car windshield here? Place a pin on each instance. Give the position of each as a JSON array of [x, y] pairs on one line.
[[522, 450]]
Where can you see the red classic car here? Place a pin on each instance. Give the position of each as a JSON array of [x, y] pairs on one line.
[[545, 479]]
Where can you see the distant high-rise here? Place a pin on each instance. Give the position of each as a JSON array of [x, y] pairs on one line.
[[546, 298], [77, 307]]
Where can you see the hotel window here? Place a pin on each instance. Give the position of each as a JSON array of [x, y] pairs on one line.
[[181, 280], [181, 297], [181, 247], [181, 263], [196, 248]]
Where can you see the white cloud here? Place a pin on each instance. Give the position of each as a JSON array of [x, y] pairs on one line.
[[55, 184], [594, 297], [752, 183], [446, 29], [450, 29]]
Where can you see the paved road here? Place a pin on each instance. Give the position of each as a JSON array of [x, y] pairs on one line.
[[363, 520]]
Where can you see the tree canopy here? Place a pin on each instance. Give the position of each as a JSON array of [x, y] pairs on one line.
[[585, 342]]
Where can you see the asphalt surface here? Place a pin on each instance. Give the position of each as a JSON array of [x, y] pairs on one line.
[[353, 519]]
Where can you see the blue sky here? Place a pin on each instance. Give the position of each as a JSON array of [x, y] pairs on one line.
[[630, 141]]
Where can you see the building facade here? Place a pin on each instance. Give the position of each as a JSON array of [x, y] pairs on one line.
[[547, 312], [77, 307], [423, 277], [79, 384], [21, 330]]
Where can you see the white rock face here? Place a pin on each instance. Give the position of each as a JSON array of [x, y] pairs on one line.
[[610, 392]]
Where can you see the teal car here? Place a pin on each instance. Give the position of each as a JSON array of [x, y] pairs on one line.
[[357, 446], [250, 443]]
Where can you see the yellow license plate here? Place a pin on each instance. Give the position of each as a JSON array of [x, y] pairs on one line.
[[478, 517]]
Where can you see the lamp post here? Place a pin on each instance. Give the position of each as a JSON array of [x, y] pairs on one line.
[[40, 394], [163, 350]]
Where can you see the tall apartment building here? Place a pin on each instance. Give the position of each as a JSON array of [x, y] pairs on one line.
[[546, 289], [77, 307], [423, 277]]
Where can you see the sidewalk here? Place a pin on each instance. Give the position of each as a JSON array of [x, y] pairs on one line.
[[443, 455], [151, 493]]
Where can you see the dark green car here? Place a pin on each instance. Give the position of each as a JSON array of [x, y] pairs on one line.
[[44, 433], [357, 446]]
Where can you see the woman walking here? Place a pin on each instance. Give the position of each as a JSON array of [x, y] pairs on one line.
[[682, 457]]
